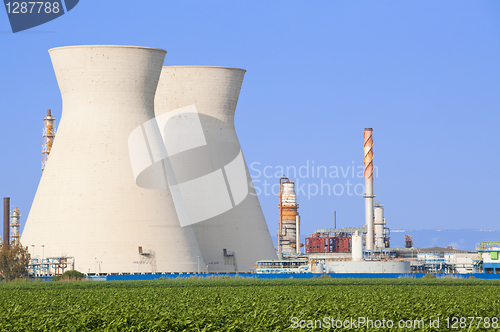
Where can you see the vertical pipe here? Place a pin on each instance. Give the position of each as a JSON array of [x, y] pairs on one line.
[[6, 222], [368, 161], [297, 232], [280, 249]]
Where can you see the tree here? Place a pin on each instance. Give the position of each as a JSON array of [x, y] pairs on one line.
[[14, 261], [69, 275]]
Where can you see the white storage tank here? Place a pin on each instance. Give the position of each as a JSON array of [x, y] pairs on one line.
[[318, 268], [379, 226]]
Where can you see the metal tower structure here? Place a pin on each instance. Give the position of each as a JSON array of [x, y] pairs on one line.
[[14, 226], [289, 225], [49, 133]]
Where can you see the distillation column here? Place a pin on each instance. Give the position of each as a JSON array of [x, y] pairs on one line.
[[49, 133], [14, 226], [288, 233], [368, 161]]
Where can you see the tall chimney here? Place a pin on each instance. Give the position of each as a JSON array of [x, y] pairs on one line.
[[369, 187], [6, 221]]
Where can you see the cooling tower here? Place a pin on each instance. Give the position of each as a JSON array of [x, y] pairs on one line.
[[88, 205], [209, 180]]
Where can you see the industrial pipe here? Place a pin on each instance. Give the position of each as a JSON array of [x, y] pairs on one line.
[[6, 221], [297, 232]]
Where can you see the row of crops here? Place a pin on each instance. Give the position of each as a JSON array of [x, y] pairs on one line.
[[250, 305]]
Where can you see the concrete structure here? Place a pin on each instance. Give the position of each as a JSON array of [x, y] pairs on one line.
[[368, 174], [209, 180], [367, 267], [88, 205]]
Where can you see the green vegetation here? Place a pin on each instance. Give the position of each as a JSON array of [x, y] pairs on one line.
[[71, 275], [240, 304], [14, 261]]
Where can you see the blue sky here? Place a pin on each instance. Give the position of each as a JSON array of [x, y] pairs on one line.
[[424, 75]]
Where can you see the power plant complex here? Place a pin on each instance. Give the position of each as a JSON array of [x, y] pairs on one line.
[[145, 175]]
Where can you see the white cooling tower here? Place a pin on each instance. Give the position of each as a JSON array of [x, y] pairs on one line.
[[209, 181], [88, 204]]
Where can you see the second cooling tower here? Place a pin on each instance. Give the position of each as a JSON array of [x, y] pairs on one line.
[[207, 174]]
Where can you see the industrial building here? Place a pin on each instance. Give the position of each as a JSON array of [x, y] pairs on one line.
[[488, 262]]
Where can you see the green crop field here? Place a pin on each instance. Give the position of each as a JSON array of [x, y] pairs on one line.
[[252, 305]]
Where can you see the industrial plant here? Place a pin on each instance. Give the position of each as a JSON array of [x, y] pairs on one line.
[[145, 175], [351, 251], [363, 249]]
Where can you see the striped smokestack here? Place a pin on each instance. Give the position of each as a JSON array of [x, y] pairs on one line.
[[369, 187], [368, 153]]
